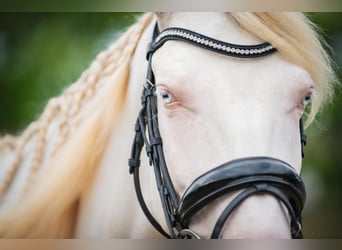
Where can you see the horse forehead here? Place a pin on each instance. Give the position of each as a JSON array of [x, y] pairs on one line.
[[178, 59]]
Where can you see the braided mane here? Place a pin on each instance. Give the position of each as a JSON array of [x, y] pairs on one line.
[[39, 147]]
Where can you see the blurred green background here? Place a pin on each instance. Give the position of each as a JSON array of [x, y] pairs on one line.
[[42, 53]]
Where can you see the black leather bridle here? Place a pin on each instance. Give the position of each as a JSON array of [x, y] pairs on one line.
[[252, 175]]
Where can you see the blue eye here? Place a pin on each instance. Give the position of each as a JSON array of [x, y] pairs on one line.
[[306, 100], [166, 97]]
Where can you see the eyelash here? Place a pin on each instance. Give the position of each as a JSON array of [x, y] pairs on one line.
[[166, 97], [306, 100]]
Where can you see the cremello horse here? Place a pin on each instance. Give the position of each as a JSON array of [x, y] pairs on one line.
[[66, 175]]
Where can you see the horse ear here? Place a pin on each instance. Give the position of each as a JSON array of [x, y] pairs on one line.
[[163, 19]]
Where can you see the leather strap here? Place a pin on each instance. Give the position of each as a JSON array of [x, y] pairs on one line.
[[255, 175]]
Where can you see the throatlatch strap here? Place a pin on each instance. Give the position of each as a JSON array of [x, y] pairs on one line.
[[303, 138]]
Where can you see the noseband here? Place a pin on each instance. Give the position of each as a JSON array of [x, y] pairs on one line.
[[254, 175]]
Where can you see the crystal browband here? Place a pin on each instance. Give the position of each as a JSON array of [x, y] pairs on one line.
[[247, 51]]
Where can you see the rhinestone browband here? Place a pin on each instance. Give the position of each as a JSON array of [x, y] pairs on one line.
[[249, 51]]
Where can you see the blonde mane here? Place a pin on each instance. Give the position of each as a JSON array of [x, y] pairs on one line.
[[79, 122], [299, 41], [85, 113]]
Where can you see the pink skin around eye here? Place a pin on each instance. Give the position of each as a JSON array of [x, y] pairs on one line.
[[163, 90], [301, 107]]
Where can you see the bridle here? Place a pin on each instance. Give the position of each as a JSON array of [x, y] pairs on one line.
[[252, 175]]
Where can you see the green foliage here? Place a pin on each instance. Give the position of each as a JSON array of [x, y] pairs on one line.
[[40, 54]]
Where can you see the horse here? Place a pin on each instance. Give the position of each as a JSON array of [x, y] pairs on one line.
[[219, 89]]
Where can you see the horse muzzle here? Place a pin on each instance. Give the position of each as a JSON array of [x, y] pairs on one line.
[[254, 175]]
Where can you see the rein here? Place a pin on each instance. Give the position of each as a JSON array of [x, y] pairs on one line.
[[252, 175]]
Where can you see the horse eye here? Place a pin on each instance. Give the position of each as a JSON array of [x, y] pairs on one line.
[[306, 100], [166, 97]]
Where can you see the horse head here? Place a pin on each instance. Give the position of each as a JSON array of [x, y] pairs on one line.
[[224, 129]]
